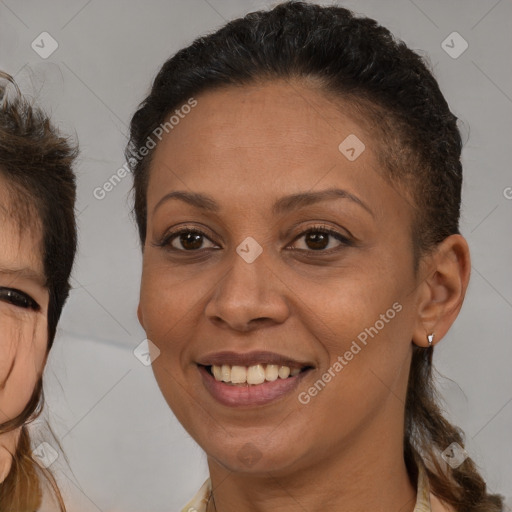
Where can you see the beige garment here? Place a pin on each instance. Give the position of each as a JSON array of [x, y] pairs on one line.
[[425, 500]]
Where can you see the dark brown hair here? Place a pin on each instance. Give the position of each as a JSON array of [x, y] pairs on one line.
[[391, 91], [36, 167]]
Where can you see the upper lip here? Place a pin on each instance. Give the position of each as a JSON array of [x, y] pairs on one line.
[[250, 359]]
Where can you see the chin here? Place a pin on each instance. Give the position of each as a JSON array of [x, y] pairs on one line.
[[250, 456]]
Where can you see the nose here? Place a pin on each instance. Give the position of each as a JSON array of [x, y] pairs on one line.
[[250, 295]]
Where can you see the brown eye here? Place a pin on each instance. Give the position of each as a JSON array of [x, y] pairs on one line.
[[319, 238], [191, 240], [18, 298], [316, 240], [186, 240]]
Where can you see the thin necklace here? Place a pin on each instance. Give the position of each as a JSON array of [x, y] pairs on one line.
[[210, 497]]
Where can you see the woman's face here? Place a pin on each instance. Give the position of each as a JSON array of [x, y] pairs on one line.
[[23, 319], [254, 290]]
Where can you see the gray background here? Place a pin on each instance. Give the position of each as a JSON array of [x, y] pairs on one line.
[[125, 449]]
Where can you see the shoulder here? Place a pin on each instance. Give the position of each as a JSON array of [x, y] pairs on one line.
[[199, 501]]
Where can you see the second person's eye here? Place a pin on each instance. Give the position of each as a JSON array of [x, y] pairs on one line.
[[18, 298]]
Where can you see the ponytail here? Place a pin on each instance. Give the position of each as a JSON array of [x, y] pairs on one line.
[[428, 434]]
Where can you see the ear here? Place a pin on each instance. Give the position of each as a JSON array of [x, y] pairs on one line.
[[445, 278], [140, 316]]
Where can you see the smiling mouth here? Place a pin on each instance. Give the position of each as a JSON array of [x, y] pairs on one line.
[[254, 375]]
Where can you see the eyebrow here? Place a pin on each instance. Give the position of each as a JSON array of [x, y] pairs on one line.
[[283, 205], [24, 273]]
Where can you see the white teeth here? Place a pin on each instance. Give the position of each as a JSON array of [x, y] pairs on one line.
[[217, 372], [253, 375], [256, 374], [226, 372], [238, 374], [284, 372], [271, 372]]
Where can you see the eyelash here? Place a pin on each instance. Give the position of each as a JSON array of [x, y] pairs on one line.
[[18, 298], [315, 229]]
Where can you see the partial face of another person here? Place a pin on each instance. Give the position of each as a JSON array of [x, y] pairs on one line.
[[335, 268], [23, 317]]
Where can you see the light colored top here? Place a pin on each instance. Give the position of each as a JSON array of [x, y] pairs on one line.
[[425, 500]]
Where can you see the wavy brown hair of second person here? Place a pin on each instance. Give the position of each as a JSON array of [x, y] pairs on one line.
[[36, 173]]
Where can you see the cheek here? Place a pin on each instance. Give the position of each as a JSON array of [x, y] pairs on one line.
[[364, 323], [165, 305], [169, 302], [22, 354], [360, 301], [369, 348]]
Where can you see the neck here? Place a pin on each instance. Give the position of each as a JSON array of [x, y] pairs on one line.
[[352, 479]]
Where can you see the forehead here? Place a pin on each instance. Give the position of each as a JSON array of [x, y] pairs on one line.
[[262, 138], [20, 232], [272, 115]]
